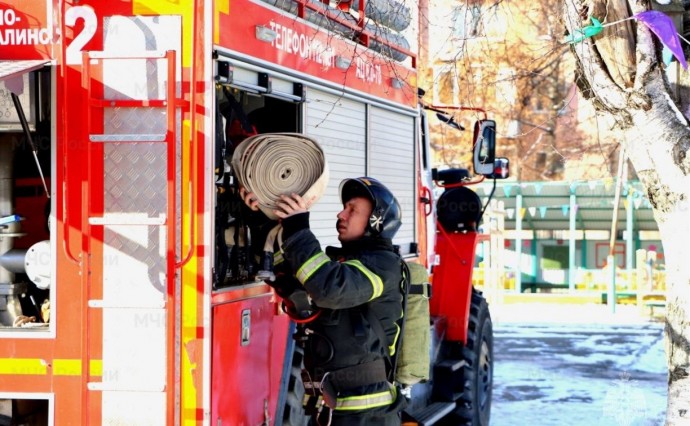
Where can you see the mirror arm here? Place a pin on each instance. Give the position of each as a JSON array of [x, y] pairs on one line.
[[488, 201], [458, 184]]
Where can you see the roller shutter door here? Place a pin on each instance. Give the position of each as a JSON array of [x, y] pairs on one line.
[[392, 161], [339, 125]]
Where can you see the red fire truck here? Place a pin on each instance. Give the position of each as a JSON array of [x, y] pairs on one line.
[[122, 301]]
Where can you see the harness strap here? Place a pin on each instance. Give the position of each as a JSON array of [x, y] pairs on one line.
[[376, 325], [358, 375], [347, 378]]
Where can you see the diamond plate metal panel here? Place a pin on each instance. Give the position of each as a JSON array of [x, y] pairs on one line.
[[134, 256], [135, 178], [142, 120], [128, 137]]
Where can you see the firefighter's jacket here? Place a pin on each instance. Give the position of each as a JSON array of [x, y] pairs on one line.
[[362, 275]]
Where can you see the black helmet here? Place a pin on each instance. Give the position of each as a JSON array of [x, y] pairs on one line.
[[385, 216]]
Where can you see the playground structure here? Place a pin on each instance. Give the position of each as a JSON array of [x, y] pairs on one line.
[[644, 286], [559, 234]]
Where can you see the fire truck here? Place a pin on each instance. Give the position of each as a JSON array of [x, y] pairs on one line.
[[122, 300]]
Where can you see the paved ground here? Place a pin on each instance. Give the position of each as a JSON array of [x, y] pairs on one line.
[[577, 365]]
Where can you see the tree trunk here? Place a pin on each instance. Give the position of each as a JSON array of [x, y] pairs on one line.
[[656, 137]]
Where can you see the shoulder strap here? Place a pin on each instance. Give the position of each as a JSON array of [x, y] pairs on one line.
[[405, 290], [378, 327]]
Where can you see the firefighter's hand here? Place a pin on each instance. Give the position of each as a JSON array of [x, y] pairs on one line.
[[292, 204], [249, 199]]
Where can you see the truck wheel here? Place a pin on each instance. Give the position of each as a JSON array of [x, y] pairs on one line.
[[475, 403], [293, 413]]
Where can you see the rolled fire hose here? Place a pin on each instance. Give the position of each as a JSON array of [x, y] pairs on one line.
[[273, 164]]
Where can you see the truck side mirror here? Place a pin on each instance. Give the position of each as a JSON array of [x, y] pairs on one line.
[[484, 147], [484, 159]]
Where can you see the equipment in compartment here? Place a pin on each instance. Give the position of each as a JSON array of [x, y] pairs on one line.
[[10, 291], [240, 233], [233, 263], [28, 412], [24, 203]]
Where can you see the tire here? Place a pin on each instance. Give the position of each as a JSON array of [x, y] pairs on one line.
[[475, 403], [293, 412]]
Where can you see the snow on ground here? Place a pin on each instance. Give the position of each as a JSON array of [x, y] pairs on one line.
[[577, 365]]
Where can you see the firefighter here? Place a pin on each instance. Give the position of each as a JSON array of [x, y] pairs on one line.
[[356, 289]]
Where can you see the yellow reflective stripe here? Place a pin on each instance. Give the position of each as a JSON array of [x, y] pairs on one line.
[[365, 402], [310, 266], [391, 348], [278, 258], [96, 367], [37, 366], [23, 366], [376, 282]]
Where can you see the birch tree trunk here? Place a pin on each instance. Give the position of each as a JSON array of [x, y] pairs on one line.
[[656, 137]]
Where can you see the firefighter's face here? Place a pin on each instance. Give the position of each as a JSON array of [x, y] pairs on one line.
[[354, 218]]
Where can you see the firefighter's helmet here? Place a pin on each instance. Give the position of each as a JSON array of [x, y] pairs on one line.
[[385, 216]]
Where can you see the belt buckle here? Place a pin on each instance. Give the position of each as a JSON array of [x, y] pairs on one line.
[[328, 391]]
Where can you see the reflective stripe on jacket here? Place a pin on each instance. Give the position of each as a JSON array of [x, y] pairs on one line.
[[366, 402]]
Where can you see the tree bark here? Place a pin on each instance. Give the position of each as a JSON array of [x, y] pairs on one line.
[[656, 137], [617, 42]]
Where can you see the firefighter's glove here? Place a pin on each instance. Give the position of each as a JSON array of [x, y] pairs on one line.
[[284, 285], [298, 305], [296, 301], [295, 223]]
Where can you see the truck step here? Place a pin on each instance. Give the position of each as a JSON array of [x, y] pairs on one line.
[[451, 364], [431, 414]]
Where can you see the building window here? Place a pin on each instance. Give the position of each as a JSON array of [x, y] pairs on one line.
[[467, 21]]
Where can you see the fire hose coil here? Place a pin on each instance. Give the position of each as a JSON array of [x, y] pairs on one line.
[[272, 164]]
